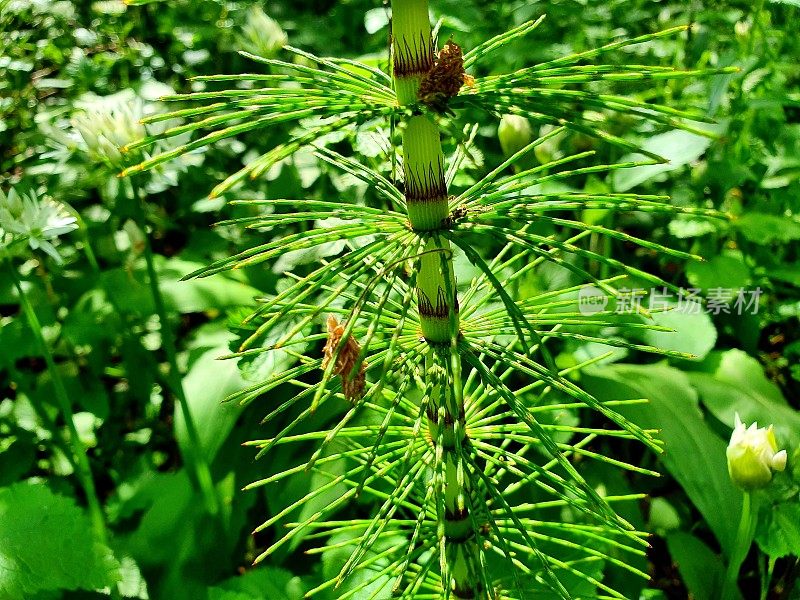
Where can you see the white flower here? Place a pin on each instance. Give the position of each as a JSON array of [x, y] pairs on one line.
[[107, 125], [262, 35], [27, 218], [753, 455]]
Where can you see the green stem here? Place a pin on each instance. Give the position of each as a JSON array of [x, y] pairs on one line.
[[766, 577], [740, 549], [193, 454], [412, 47], [87, 244], [428, 211], [756, 25], [79, 459]]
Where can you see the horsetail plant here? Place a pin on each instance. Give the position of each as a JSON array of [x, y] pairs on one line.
[[447, 398]]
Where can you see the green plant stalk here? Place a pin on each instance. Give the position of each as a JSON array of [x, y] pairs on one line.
[[412, 47], [194, 455], [80, 461], [740, 549], [766, 576], [428, 210], [756, 25]]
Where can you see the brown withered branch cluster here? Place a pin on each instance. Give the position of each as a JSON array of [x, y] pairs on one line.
[[352, 384], [445, 78]]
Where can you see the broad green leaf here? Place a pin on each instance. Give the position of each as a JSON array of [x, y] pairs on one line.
[[175, 535], [694, 455], [694, 332], [685, 226], [259, 367], [16, 342], [262, 583], [216, 593], [197, 295], [167, 500], [703, 571], [724, 271], [663, 516], [207, 384], [788, 274], [376, 19], [133, 583], [322, 475], [47, 543], [131, 291], [17, 455], [733, 381], [781, 534], [678, 147], [762, 228], [333, 560]]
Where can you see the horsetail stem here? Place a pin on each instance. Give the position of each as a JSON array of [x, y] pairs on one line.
[[412, 47], [426, 188], [428, 211]]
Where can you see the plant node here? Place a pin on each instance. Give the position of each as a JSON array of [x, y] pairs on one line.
[[444, 79], [454, 217]]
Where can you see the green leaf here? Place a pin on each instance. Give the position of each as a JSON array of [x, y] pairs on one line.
[[325, 474], [787, 274], [762, 228], [198, 295], [694, 331], [376, 19], [678, 147], [694, 455], [167, 502], [208, 382], [733, 381], [17, 455], [216, 593], [16, 342], [47, 543], [263, 583], [685, 226], [781, 535], [334, 559], [133, 583], [722, 271], [260, 366], [131, 292], [663, 516], [701, 569]]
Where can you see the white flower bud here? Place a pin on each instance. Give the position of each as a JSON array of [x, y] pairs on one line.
[[753, 455], [514, 133]]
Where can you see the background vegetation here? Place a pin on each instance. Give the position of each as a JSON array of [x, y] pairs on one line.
[[59, 59]]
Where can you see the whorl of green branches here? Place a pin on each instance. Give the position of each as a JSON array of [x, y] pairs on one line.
[[458, 411]]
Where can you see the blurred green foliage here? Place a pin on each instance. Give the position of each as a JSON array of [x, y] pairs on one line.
[[59, 57]]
